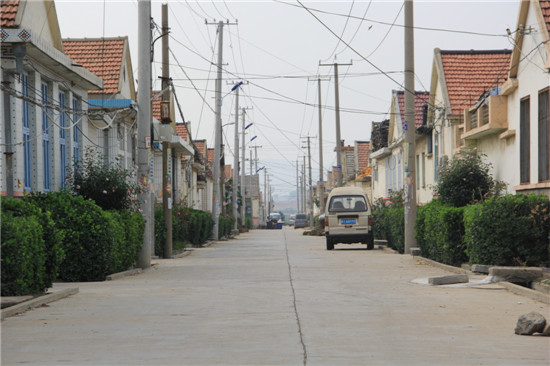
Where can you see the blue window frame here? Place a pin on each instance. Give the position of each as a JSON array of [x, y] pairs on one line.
[[62, 142], [46, 169], [27, 177], [76, 134]]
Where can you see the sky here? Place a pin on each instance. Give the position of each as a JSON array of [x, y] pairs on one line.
[[280, 49]]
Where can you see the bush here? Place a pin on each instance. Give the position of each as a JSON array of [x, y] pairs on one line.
[[439, 231], [128, 233], [88, 235], [23, 254], [510, 230], [464, 179], [395, 228], [109, 185], [51, 237], [160, 231]]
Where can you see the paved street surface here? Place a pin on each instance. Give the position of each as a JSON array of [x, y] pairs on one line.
[[277, 298]]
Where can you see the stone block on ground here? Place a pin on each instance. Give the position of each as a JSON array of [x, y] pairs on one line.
[[516, 274], [448, 280], [415, 252], [531, 323], [481, 268], [546, 331]]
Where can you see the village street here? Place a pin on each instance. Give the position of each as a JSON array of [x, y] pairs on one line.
[[277, 298]]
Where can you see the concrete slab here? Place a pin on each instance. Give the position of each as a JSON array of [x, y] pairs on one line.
[[447, 280], [38, 301], [516, 274]]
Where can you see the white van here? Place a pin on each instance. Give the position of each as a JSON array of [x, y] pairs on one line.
[[348, 218]]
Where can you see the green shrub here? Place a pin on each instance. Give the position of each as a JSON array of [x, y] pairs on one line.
[[23, 255], [128, 232], [51, 235], [510, 230], [109, 185], [439, 231], [395, 228], [248, 222], [464, 179], [87, 230]]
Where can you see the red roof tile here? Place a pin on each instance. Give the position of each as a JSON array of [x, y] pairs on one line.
[[363, 154], [8, 12], [420, 99], [155, 105], [102, 56], [470, 73], [181, 131], [545, 6]]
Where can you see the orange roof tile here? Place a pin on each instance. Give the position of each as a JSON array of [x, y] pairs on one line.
[[155, 105], [8, 12], [102, 56], [181, 131], [470, 73], [420, 99], [545, 6], [363, 154]]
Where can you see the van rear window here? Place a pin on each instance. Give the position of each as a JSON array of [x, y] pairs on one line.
[[301, 217], [347, 203]]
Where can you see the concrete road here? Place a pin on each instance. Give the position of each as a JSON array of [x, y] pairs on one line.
[[277, 298]]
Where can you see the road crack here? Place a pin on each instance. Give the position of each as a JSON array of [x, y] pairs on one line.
[[294, 303]]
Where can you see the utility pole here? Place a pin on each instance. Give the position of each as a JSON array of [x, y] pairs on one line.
[[243, 174], [266, 200], [337, 109], [251, 195], [236, 161], [410, 126], [304, 189], [297, 188], [310, 185], [165, 105], [144, 124]]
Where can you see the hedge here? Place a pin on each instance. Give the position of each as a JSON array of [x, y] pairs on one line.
[[439, 231], [509, 231]]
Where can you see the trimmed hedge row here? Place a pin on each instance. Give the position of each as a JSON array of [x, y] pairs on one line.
[[75, 240], [388, 224], [506, 231], [188, 226]]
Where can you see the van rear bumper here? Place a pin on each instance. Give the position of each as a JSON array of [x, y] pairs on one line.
[[365, 238]]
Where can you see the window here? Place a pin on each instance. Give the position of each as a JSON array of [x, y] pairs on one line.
[[76, 132], [62, 142], [544, 135], [436, 157], [27, 177], [429, 143], [423, 170], [524, 156], [417, 172], [46, 168]]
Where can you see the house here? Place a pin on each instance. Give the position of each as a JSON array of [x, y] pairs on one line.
[[518, 142], [363, 173], [114, 126], [387, 161], [44, 127]]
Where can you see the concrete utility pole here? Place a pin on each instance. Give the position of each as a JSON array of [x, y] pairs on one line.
[[321, 192], [251, 186], [410, 126], [144, 124], [236, 162], [337, 109], [297, 188], [166, 150], [310, 185], [216, 199], [243, 167], [266, 200], [304, 187]]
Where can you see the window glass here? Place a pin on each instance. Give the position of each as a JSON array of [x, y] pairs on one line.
[[349, 203]]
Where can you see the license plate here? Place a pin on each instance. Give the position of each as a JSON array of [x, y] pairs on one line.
[[348, 221]]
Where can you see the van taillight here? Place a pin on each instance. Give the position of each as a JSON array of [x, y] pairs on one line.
[[326, 221], [370, 220]]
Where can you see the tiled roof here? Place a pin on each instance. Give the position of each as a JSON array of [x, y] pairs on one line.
[[8, 12], [362, 154], [545, 6], [470, 73], [155, 105], [181, 130], [102, 56], [420, 98]]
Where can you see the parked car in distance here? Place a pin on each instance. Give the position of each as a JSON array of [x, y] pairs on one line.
[[291, 220], [300, 221], [348, 218]]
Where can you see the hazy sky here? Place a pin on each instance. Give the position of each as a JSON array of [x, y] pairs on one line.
[[278, 46]]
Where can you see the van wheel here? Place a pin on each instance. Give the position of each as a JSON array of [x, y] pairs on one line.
[[370, 246], [330, 244]]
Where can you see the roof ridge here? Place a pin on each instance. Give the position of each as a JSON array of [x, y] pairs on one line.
[[474, 52], [95, 39]]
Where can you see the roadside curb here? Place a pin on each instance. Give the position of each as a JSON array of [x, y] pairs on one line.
[[130, 272], [36, 302]]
